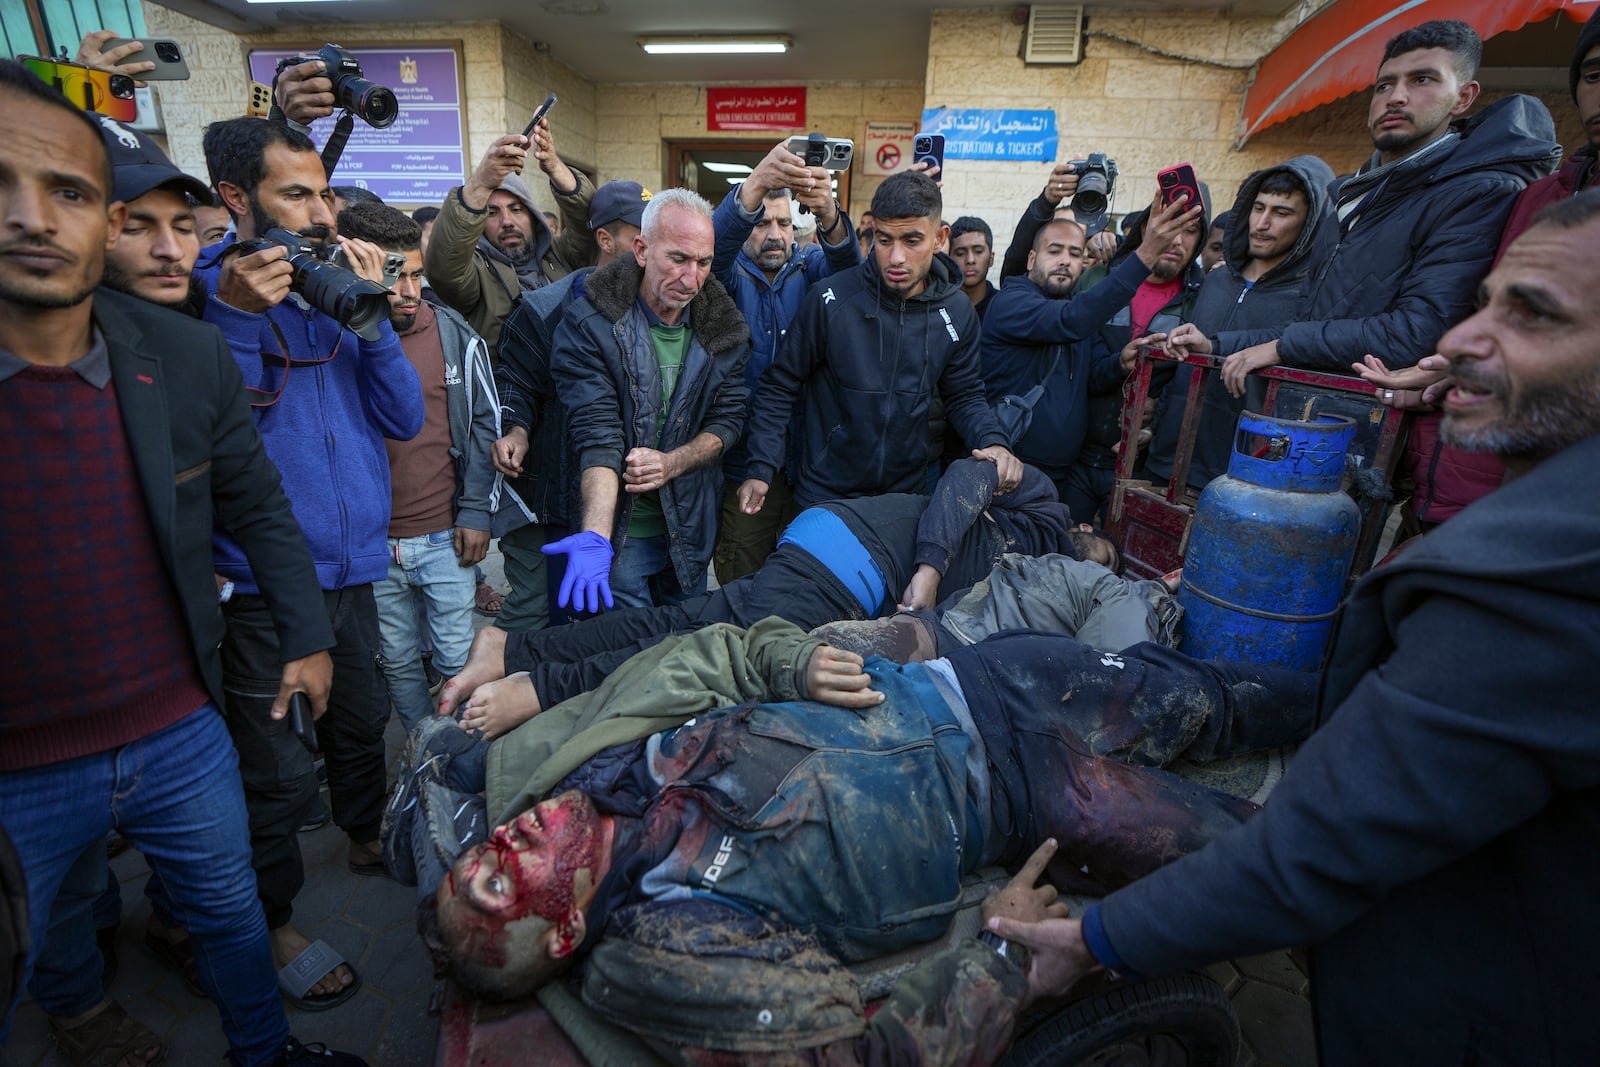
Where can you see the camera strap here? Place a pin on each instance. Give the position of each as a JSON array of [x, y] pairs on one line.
[[336, 142]]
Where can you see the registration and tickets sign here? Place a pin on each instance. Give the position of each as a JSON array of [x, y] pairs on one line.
[[984, 133], [420, 158]]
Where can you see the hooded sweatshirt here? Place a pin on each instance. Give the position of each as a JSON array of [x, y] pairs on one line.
[[1229, 304], [470, 274], [864, 366], [1409, 260]]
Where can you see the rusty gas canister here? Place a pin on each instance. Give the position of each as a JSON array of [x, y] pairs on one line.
[[1271, 545]]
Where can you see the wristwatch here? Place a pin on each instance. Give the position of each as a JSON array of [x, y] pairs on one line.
[[1001, 946]]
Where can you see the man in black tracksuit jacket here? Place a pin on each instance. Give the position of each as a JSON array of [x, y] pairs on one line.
[[864, 358]]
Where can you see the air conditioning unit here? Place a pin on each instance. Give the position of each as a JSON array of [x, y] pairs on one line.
[[1055, 34]]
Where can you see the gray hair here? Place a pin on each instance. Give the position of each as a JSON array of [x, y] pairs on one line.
[[686, 199]]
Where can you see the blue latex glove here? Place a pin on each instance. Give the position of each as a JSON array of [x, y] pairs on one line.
[[587, 581]]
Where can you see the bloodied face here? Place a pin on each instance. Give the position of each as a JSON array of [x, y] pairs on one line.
[[514, 904]]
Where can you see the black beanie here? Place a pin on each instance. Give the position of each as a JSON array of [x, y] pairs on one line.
[[1586, 40]]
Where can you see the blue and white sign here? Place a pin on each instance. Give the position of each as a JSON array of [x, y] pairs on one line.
[[983, 133]]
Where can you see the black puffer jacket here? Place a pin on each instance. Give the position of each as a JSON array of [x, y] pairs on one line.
[[1228, 305], [1409, 266], [608, 381], [864, 366]]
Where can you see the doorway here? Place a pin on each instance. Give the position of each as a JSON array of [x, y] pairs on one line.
[[711, 168]]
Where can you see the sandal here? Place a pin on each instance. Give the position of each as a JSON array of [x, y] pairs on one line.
[[107, 1036], [488, 600], [177, 953], [318, 960]]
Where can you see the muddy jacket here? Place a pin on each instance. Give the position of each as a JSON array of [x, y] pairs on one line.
[[609, 382], [1228, 305], [863, 366], [1434, 841], [470, 274], [1408, 262]]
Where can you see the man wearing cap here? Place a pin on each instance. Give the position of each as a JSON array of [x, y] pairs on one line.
[[530, 412], [159, 243], [767, 272], [491, 241]]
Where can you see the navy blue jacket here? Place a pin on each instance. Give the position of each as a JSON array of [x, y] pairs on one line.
[[769, 306], [864, 367], [1025, 333], [608, 381]]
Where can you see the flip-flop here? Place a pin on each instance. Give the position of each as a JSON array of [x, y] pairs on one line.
[[487, 600], [106, 1034], [315, 962]]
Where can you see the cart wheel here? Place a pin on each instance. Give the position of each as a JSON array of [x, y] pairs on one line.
[[1166, 1022]]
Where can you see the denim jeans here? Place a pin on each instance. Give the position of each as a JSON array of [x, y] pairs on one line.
[[425, 571], [642, 575], [176, 795]]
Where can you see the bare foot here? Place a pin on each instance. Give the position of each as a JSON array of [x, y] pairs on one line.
[[497, 708], [485, 663], [288, 942]]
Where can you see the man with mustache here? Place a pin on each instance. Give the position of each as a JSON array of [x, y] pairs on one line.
[[1034, 326], [159, 242], [767, 273], [324, 401], [1433, 843]]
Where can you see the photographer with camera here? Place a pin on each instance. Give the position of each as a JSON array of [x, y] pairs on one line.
[[324, 399], [767, 273]]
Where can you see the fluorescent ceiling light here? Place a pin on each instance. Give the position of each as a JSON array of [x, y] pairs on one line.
[[706, 46], [727, 168], [289, 1]]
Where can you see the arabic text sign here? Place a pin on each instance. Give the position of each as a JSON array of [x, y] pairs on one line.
[[420, 158], [886, 148], [1028, 136], [756, 108]]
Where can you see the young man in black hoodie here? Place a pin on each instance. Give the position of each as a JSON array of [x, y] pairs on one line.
[[862, 361], [1418, 223], [1284, 232]]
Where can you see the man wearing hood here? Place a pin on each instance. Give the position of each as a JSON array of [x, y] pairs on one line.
[[863, 359], [1284, 232], [1418, 223], [1031, 334], [1162, 301], [1447, 479], [491, 242]]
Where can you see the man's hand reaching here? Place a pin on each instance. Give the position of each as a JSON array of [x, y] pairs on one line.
[[922, 592], [835, 677], [485, 663], [1009, 466]]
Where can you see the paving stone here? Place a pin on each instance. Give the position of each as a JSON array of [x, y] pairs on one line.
[[1275, 969], [1276, 1025]]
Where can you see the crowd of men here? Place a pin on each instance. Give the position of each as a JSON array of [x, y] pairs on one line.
[[280, 518]]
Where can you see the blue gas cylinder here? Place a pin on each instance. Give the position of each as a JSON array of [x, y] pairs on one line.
[[1271, 545]]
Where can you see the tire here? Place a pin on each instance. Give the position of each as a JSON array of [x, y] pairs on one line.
[[1165, 1022]]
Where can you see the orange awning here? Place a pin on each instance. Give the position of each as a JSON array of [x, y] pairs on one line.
[[1338, 50]]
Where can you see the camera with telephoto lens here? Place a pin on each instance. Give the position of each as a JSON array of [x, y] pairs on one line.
[[1097, 183], [336, 291], [374, 104]]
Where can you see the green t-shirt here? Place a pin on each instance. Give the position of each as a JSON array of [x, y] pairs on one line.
[[671, 344]]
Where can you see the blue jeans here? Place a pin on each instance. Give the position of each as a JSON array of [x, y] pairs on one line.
[[176, 795], [642, 575], [425, 571]]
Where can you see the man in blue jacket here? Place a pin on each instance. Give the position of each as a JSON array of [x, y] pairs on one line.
[[324, 400], [862, 362], [1434, 841], [767, 273]]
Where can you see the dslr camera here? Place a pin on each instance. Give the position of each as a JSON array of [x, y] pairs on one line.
[[1097, 184], [374, 104], [336, 291]]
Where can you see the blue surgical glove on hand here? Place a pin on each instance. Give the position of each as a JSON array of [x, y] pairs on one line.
[[587, 581]]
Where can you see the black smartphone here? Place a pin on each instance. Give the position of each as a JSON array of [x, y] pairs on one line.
[[303, 721], [544, 109], [928, 148]]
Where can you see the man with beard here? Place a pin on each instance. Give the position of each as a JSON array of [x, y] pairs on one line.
[[1033, 363], [1434, 841], [767, 273], [862, 362], [159, 243], [1165, 298], [443, 483], [127, 435], [324, 399], [490, 241]]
